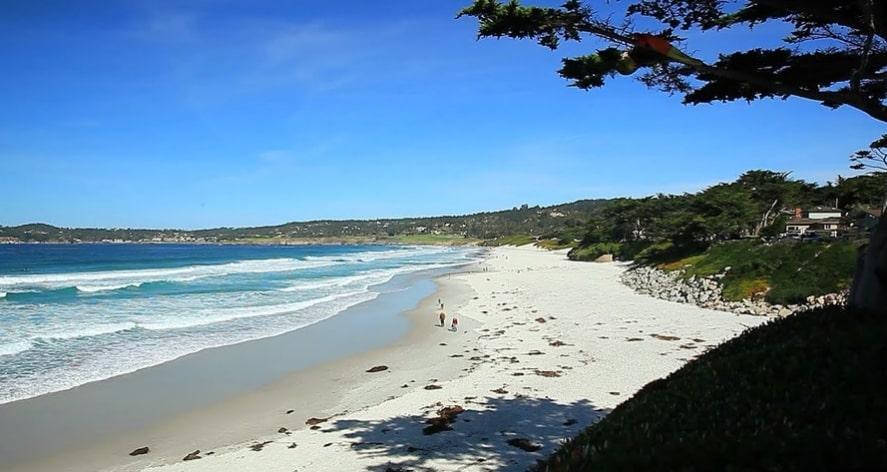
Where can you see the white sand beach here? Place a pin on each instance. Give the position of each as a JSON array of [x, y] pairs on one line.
[[547, 347]]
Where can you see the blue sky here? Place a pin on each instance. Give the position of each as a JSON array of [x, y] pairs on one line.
[[232, 113]]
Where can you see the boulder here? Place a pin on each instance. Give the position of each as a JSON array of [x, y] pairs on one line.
[[140, 451], [525, 444]]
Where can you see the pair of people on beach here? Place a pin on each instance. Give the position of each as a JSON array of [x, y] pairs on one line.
[[453, 326]]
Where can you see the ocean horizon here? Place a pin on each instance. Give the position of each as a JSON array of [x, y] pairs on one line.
[[73, 314]]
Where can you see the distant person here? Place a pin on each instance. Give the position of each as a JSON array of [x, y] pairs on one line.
[[443, 318], [455, 325]]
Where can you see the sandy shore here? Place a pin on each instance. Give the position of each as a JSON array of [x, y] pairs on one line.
[[555, 346]]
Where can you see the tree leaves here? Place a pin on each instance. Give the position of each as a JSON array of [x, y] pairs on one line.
[[847, 66]]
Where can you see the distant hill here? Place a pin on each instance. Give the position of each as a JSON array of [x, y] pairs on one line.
[[567, 218]]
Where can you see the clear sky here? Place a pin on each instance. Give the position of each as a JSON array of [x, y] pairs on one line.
[[230, 113]]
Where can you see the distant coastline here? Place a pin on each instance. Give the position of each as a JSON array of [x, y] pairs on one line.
[[433, 230], [280, 242]]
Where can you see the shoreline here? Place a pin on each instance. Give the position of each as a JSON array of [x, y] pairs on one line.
[[561, 344], [546, 347], [320, 241], [310, 390]]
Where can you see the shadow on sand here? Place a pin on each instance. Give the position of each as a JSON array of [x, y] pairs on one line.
[[479, 436]]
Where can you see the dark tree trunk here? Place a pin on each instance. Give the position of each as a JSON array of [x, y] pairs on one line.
[[869, 289]]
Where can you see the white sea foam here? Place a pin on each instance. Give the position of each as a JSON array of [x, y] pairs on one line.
[[9, 349], [123, 278], [87, 331], [210, 316], [105, 288], [117, 363], [97, 281], [157, 327]]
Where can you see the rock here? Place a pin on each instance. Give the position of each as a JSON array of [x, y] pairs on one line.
[[525, 444], [604, 258], [289, 412], [500, 390], [192, 456], [557, 343], [548, 373], [443, 420], [378, 368], [140, 451], [540, 320], [292, 446], [282, 430], [665, 337], [432, 387], [315, 421], [259, 446]]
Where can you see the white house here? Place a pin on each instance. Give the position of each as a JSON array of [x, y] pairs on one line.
[[820, 220]]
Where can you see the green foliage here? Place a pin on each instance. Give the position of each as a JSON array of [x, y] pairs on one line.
[[776, 228], [564, 221], [818, 268], [554, 244], [802, 393], [845, 67], [593, 251], [512, 240], [665, 252], [791, 270], [745, 288], [629, 250], [865, 191]]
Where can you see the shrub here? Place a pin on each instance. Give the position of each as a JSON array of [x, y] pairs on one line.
[[630, 250], [593, 251]]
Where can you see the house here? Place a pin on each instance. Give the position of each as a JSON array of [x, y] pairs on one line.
[[821, 213], [823, 221]]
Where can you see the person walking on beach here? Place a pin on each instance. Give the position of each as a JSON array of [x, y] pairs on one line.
[[455, 325], [443, 318]]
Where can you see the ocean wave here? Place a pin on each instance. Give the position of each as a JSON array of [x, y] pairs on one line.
[[371, 256], [13, 348], [114, 335], [371, 278], [105, 288], [341, 281], [207, 317], [86, 332], [104, 367], [97, 281], [123, 278]]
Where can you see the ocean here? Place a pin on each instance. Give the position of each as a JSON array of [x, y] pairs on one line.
[[77, 313]]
